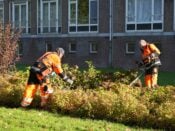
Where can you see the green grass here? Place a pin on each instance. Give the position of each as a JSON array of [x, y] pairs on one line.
[[33, 120], [166, 78]]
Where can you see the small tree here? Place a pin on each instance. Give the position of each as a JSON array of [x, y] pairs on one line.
[[8, 47]]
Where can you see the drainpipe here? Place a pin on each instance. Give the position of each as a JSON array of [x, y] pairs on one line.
[[111, 34]]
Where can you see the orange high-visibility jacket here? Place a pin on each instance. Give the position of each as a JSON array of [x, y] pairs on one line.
[[148, 49], [52, 61]]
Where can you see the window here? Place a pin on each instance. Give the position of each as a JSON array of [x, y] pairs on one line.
[[72, 47], [21, 15], [130, 48], [48, 46], [1, 11], [142, 15], [83, 15], [93, 47], [20, 49], [49, 16]]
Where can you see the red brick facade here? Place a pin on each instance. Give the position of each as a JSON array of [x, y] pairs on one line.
[[34, 43]]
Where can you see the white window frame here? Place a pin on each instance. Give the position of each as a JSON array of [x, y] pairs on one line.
[[152, 21], [40, 25], [27, 14], [89, 24], [127, 49], [2, 11], [91, 49], [70, 49]]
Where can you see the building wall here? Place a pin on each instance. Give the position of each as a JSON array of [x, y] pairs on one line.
[[6, 11], [35, 47], [104, 16], [127, 61], [168, 15], [119, 16], [65, 17], [34, 44], [33, 17]]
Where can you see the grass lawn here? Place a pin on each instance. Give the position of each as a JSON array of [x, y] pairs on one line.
[[166, 78], [34, 120]]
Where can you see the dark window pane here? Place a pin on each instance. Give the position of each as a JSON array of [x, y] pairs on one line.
[[39, 31], [29, 30], [93, 47], [93, 12], [131, 48], [83, 28], [157, 26], [130, 26], [59, 29], [16, 16], [20, 48], [143, 26], [72, 47], [93, 28], [72, 29]]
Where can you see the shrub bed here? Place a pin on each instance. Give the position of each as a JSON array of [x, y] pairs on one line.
[[117, 102]]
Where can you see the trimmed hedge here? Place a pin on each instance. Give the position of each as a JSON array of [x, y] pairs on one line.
[[120, 103]]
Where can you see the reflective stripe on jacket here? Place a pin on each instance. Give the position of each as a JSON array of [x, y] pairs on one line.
[[52, 61]]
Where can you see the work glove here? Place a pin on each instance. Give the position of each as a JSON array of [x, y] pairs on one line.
[[153, 55], [70, 81], [67, 79]]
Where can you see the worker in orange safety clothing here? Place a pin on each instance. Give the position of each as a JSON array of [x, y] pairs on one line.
[[39, 77], [151, 62]]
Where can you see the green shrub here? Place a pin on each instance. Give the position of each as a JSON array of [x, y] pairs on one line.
[[10, 94], [90, 98], [86, 79]]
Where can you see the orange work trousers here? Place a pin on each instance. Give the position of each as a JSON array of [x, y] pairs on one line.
[[151, 77], [31, 88]]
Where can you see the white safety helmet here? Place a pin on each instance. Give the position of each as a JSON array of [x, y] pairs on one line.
[[60, 51], [142, 43]]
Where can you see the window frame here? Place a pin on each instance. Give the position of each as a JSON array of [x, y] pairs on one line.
[[20, 49], [40, 25], [135, 23], [127, 48], [76, 25], [70, 49], [91, 49], [20, 4]]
